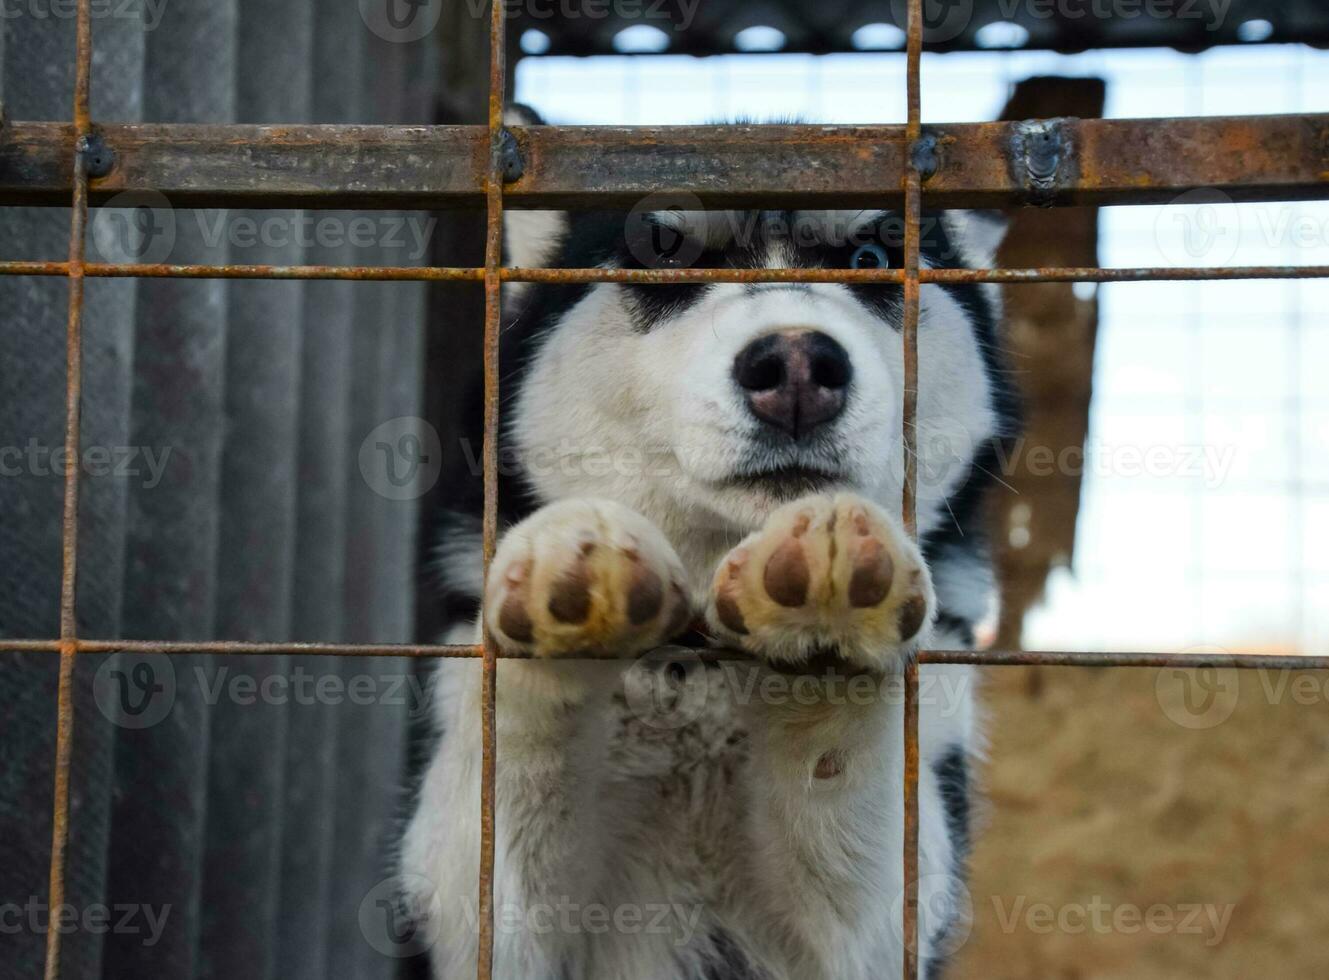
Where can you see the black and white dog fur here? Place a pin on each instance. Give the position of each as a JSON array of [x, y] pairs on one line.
[[733, 454]]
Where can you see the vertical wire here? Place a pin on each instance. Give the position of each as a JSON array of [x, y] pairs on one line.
[[909, 499], [64, 731], [489, 685]]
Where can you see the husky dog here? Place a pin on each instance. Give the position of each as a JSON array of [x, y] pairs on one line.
[[728, 456]]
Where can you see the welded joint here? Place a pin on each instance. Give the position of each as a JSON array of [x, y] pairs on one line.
[[923, 156], [1042, 158], [97, 155], [510, 159]]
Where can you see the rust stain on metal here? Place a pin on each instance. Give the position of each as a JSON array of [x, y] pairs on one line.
[[499, 166], [358, 273], [979, 658], [910, 855], [1042, 158], [664, 276], [393, 167], [1080, 658], [913, 224], [64, 739]]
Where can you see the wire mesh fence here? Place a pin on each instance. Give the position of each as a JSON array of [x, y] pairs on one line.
[[1055, 162]]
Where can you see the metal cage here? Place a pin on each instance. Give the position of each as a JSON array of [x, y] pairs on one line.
[[1047, 162]]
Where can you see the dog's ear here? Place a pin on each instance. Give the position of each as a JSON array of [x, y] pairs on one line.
[[530, 238], [520, 114], [979, 234]]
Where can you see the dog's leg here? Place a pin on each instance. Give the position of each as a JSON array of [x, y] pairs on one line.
[[579, 578], [832, 597]]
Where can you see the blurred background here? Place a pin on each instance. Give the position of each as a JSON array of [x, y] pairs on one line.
[[1138, 823]]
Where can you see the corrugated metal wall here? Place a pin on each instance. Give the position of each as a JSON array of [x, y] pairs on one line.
[[263, 825]]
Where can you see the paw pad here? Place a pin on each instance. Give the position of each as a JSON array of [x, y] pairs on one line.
[[570, 593], [513, 619], [787, 574], [873, 572], [912, 614], [827, 572], [586, 576], [645, 594]]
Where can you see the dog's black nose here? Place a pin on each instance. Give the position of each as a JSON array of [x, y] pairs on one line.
[[795, 380]]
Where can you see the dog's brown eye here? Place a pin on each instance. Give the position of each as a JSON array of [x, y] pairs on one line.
[[870, 257]]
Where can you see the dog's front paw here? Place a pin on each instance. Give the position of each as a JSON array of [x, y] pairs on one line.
[[827, 574], [585, 577]]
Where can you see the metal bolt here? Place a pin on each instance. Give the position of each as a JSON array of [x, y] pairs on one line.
[[98, 157]]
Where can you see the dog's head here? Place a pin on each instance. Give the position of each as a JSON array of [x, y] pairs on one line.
[[706, 406], [709, 405]]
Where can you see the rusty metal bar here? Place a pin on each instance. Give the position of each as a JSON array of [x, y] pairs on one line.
[[230, 648], [910, 850], [77, 150], [1015, 277], [912, 181], [376, 273], [979, 658], [925, 275], [1072, 658], [493, 322], [97, 270], [998, 164]]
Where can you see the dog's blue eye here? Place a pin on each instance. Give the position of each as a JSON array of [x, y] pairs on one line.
[[870, 257]]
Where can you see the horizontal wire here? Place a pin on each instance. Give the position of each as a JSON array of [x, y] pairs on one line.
[[978, 658], [664, 276]]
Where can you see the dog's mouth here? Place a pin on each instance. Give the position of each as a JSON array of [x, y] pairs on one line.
[[787, 482]]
